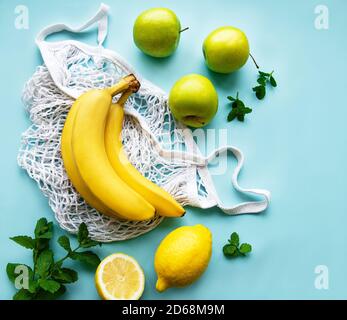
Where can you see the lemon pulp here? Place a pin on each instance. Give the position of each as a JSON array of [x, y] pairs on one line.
[[119, 277]]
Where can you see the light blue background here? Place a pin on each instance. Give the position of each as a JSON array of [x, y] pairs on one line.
[[294, 143]]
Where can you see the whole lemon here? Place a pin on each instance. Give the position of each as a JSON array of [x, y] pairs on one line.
[[182, 256]]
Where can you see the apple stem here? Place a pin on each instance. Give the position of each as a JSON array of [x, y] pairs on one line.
[[185, 29], [255, 62]]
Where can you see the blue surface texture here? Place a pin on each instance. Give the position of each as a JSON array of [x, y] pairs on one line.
[[294, 143]]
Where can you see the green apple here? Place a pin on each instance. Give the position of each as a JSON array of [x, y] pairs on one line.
[[226, 49], [157, 32], [193, 100]]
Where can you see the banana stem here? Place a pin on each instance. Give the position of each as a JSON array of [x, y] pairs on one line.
[[123, 84], [124, 97], [134, 86]]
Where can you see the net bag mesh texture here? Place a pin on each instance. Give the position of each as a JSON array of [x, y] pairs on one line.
[[40, 153]]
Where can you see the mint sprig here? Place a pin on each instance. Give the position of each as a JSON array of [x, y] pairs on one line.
[[234, 249], [239, 110], [47, 278], [263, 79]]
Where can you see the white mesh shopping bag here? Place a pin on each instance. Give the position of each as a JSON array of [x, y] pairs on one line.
[[161, 149]]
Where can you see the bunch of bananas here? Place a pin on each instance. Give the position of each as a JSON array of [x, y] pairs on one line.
[[96, 164]]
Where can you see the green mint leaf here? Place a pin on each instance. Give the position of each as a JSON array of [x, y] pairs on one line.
[[49, 285], [44, 263], [12, 275], [233, 250], [231, 98], [241, 117], [41, 227], [46, 295], [86, 257], [239, 110], [46, 235], [247, 110], [49, 233], [260, 92], [273, 81], [90, 243], [23, 294], [245, 248], [83, 237], [234, 104], [262, 81], [41, 245], [64, 242], [10, 271], [59, 264], [24, 241], [240, 104], [232, 115], [33, 286], [83, 233], [65, 275], [234, 239], [229, 250]]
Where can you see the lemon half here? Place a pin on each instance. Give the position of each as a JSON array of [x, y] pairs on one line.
[[119, 277]]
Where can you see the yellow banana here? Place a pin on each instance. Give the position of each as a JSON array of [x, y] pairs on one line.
[[68, 159], [163, 202], [88, 147]]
